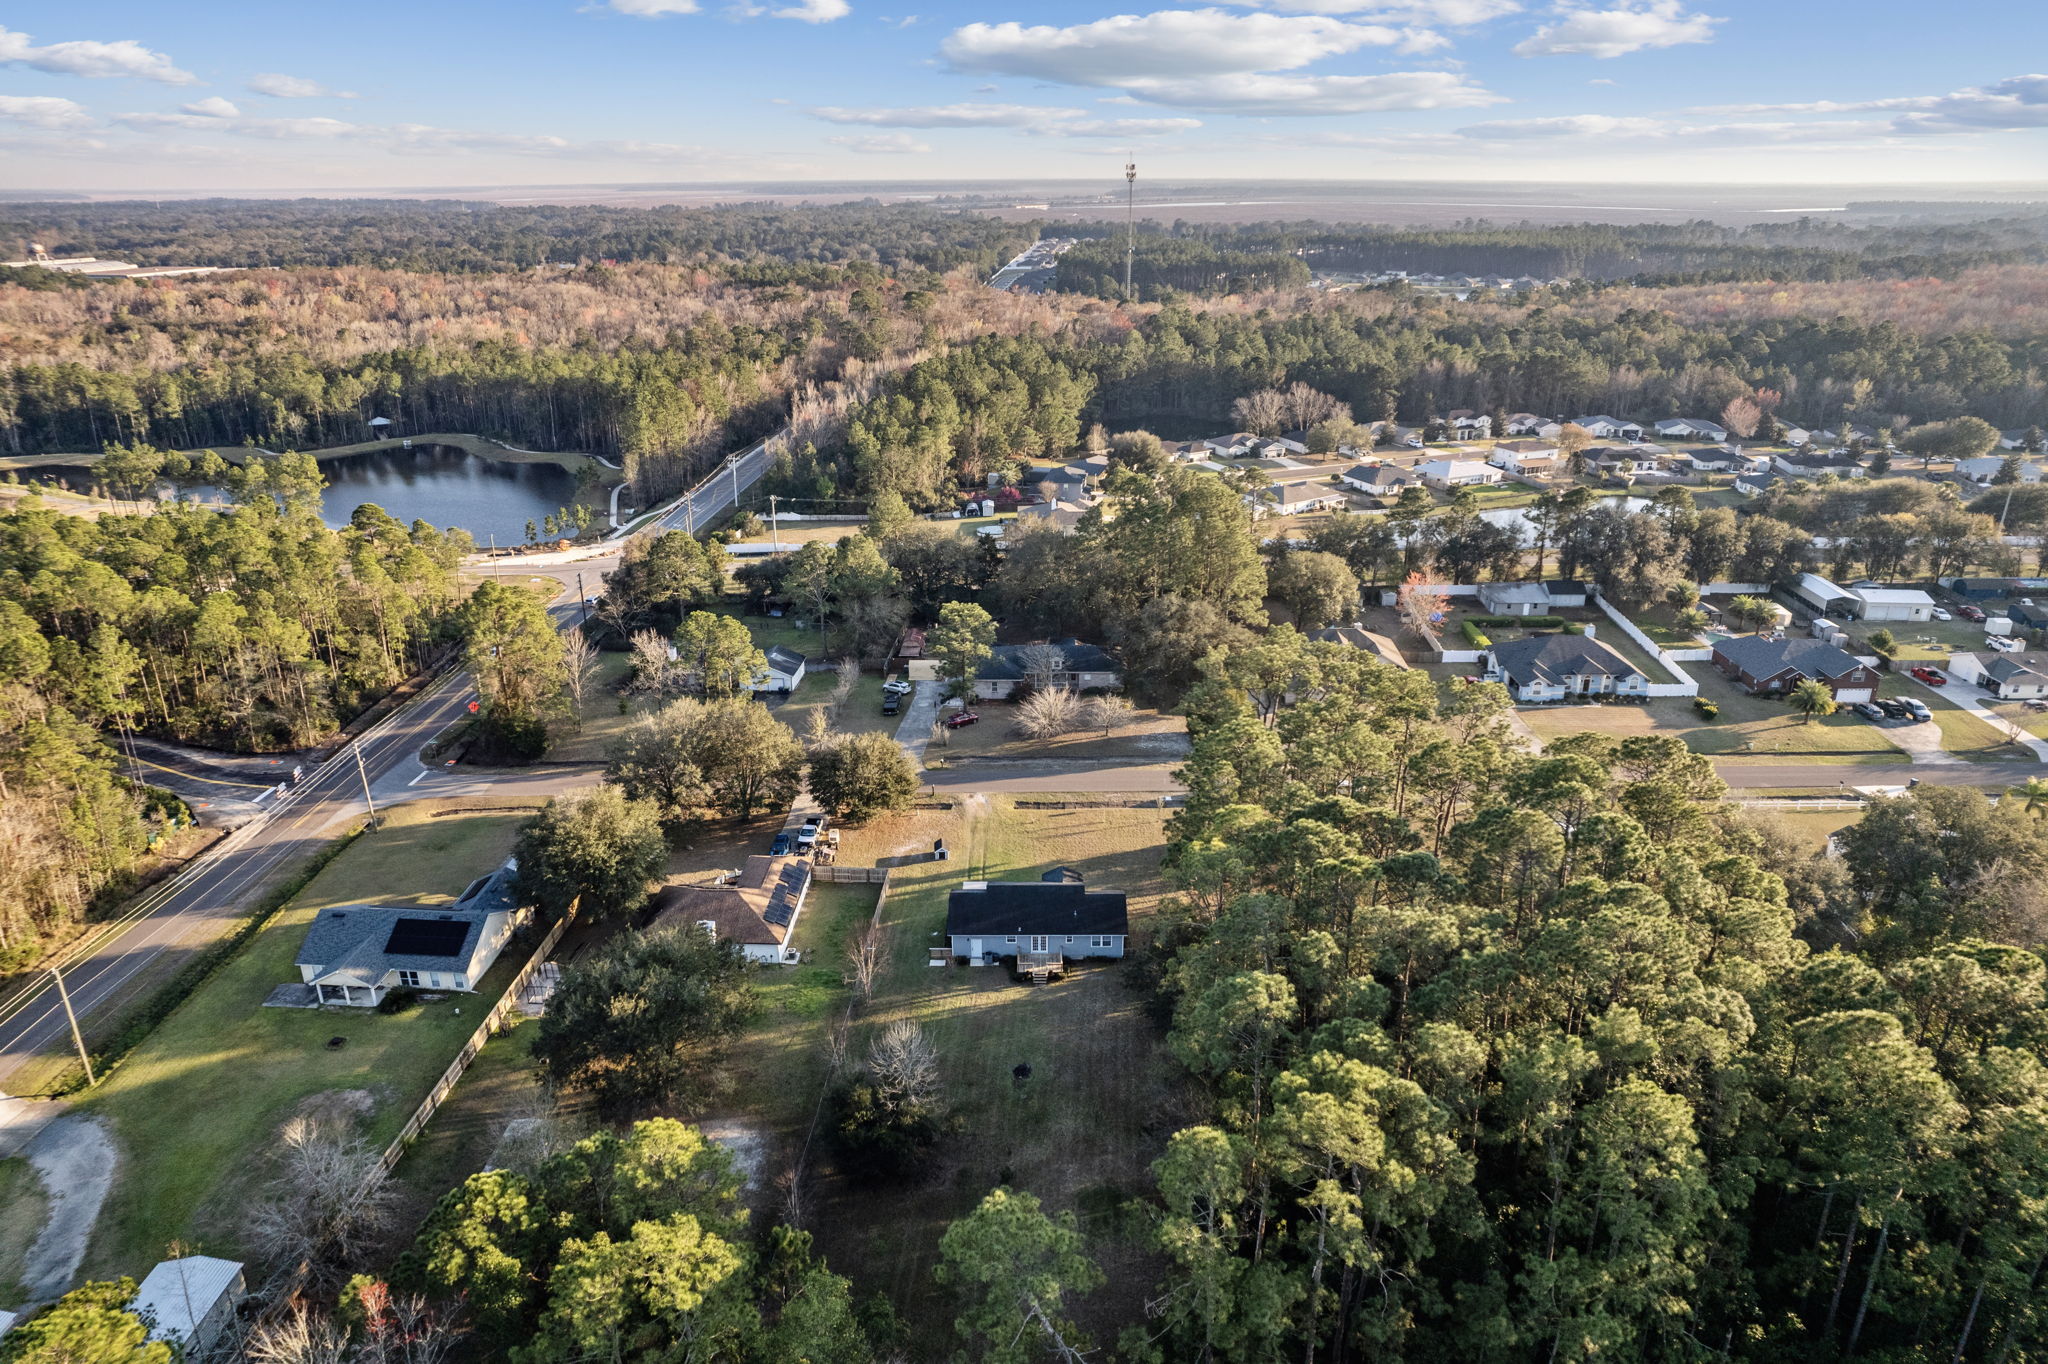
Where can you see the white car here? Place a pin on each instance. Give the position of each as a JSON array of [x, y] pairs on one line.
[[1941, 614], [2005, 644], [898, 688]]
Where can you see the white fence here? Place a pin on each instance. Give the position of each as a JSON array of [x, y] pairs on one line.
[[1689, 686], [1735, 589], [1459, 655]]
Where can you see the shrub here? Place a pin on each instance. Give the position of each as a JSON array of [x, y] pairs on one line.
[[1571, 627], [1049, 714], [1473, 634], [1517, 622], [1707, 709], [398, 1000]]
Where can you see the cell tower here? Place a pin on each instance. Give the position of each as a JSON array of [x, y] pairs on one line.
[[1130, 222]]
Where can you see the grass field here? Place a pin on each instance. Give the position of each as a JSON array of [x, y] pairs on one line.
[[1082, 1131], [1151, 734], [1810, 829], [1962, 733], [1749, 726], [23, 1207], [196, 1107]]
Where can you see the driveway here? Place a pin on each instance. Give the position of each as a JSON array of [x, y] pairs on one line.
[[74, 1158], [1956, 693], [1922, 742], [915, 731]]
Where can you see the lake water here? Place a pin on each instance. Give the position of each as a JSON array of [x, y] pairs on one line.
[[444, 486]]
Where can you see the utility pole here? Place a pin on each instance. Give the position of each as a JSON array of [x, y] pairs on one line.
[[72, 1018], [735, 467], [1130, 223], [774, 533], [357, 749], [582, 601], [494, 555]]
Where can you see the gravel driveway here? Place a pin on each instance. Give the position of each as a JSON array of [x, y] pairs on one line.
[[74, 1158]]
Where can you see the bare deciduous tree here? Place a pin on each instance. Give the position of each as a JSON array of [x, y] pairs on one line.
[[864, 960], [1108, 713], [903, 1062], [1049, 714], [654, 672], [1042, 664], [329, 1202], [303, 1337], [1741, 417], [579, 667], [1261, 413]]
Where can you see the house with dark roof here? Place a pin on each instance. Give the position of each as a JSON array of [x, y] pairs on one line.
[[1290, 499], [1085, 667], [356, 954], [1358, 637], [2009, 677], [757, 909], [1052, 919], [1610, 428], [785, 670], [1546, 668], [1763, 665], [1379, 480], [1529, 424]]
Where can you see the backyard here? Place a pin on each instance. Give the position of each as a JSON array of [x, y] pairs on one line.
[[196, 1108]]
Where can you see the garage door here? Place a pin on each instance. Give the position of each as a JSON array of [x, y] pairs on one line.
[[1850, 696]]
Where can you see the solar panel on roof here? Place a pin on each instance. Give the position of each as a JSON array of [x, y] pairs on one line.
[[782, 905], [427, 938]]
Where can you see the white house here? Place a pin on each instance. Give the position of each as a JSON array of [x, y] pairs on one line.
[[1985, 468], [1041, 923], [190, 1302], [1286, 499], [355, 954], [1691, 428], [1457, 473], [1873, 602], [1525, 458], [1553, 667], [1234, 446], [1610, 428], [784, 673], [2017, 440], [2009, 677], [1467, 425], [1529, 424], [1378, 480], [758, 909], [1794, 435], [1817, 464], [1751, 482]]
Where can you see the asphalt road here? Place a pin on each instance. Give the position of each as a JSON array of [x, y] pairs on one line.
[[218, 886], [719, 492]]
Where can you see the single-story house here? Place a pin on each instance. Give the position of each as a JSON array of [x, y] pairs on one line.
[[1358, 637], [1378, 480], [1531, 599], [784, 672], [2009, 677], [1087, 667], [1765, 666], [1525, 458], [1844, 436], [355, 954], [1061, 516], [1629, 461], [1982, 589], [1529, 424], [1891, 603], [1050, 919], [1609, 428], [1553, 667], [1287, 499], [190, 1302], [1982, 470], [1794, 435], [1822, 596], [2020, 439], [1691, 428], [2027, 614], [1816, 464], [1711, 459], [758, 909], [1233, 446], [1753, 483], [1278, 447], [1457, 473]]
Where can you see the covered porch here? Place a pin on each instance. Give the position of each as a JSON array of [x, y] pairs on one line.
[[349, 988]]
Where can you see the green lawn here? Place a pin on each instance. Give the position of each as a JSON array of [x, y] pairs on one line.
[[1962, 733], [196, 1107], [1749, 726], [22, 1209]]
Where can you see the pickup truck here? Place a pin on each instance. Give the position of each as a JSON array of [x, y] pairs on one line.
[[807, 837]]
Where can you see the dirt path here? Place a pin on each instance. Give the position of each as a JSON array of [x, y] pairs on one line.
[[74, 1158]]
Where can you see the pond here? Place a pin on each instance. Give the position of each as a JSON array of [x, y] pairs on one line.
[[444, 486]]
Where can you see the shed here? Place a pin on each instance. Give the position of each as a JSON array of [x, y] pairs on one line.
[[189, 1302], [1820, 595], [1891, 603]]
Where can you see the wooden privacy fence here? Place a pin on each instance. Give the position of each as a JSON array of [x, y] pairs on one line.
[[858, 876], [507, 1002]]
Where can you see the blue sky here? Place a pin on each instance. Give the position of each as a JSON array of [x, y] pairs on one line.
[[236, 95]]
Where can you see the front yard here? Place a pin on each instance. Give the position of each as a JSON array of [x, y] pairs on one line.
[[196, 1108], [1151, 734]]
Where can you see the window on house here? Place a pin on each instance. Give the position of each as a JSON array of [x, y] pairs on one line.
[[461, 983], [1102, 940], [1011, 939], [409, 978]]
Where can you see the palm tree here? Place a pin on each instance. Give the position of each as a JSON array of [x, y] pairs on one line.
[[1813, 700], [2034, 795]]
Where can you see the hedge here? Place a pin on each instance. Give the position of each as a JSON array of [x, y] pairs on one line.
[[1474, 635], [1518, 622]]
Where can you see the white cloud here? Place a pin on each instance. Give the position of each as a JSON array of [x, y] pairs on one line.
[[880, 144], [1306, 95], [1451, 13], [2018, 102], [1570, 125], [1617, 32], [213, 106], [123, 58], [1029, 118], [1605, 130], [43, 111], [815, 11], [649, 9], [1179, 45], [280, 86]]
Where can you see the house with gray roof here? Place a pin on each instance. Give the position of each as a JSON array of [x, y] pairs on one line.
[[784, 671], [190, 1302], [1084, 667], [356, 954], [1771, 665], [1042, 922], [1546, 668], [2009, 677]]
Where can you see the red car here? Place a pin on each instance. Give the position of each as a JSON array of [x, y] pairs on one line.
[[963, 719], [1931, 676], [1975, 613]]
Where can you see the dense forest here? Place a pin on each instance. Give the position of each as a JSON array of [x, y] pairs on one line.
[[1214, 259], [255, 629], [453, 236]]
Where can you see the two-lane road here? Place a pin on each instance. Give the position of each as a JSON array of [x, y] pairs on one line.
[[722, 490], [217, 889]]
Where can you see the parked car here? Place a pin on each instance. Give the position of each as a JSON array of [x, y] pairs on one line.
[[892, 702], [896, 686], [807, 837], [1940, 614], [1968, 612], [780, 847], [1870, 711], [1918, 710], [1933, 677], [2037, 705], [962, 719], [2004, 644], [1896, 710]]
